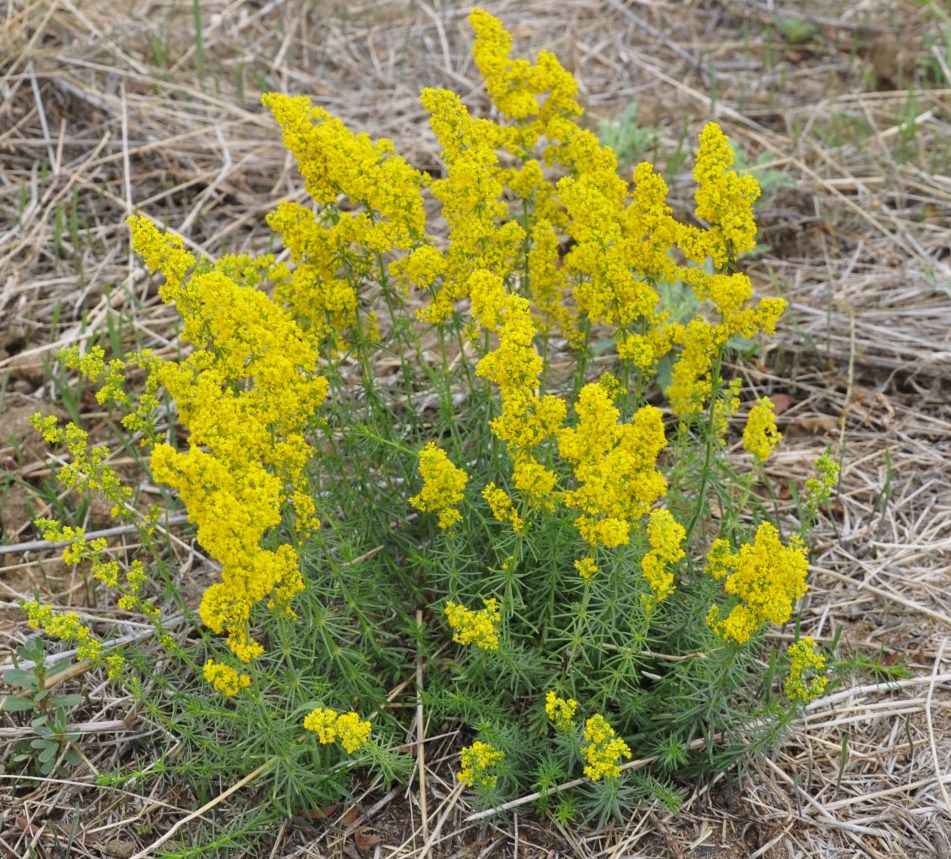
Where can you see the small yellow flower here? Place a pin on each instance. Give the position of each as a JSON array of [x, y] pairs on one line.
[[480, 628], [665, 535], [615, 465], [348, 729], [603, 750], [224, 678], [724, 199], [161, 252], [819, 489], [766, 577], [720, 559], [323, 722], [354, 731], [725, 407], [586, 567], [106, 572], [561, 711], [761, 435], [114, 666], [443, 486], [478, 761], [806, 680], [500, 502], [65, 626]]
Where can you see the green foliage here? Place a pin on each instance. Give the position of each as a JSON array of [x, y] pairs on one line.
[[797, 31], [628, 140], [53, 750]]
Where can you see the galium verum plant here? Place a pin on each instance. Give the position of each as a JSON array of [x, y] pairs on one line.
[[383, 423]]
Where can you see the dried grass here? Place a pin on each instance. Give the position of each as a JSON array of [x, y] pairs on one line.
[[106, 108]]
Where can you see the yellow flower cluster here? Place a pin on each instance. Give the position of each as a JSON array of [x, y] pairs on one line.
[[478, 762], [443, 486], [387, 214], [622, 250], [761, 435], [514, 85], [539, 101], [89, 471], [80, 550], [134, 578], [110, 376], [246, 393], [665, 535], [224, 678], [819, 489], [806, 680], [725, 407], [586, 567], [67, 626], [348, 729], [766, 577], [471, 198], [615, 465], [323, 301], [604, 749], [607, 286], [512, 270], [724, 199], [561, 711], [480, 628], [163, 252], [527, 419], [500, 503]]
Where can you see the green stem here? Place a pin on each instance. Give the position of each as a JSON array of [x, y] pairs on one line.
[[710, 442]]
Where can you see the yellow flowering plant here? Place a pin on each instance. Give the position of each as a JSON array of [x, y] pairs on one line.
[[560, 532]]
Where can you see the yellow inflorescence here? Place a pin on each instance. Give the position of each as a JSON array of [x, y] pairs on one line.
[[560, 711], [527, 419], [480, 628], [724, 199], [586, 567], [66, 626], [224, 678], [665, 535], [89, 470], [443, 486], [819, 489], [615, 465], [354, 731], [471, 198], [766, 577], [761, 435], [478, 762], [163, 252], [604, 749], [500, 503], [347, 729], [246, 393], [334, 161], [323, 722], [806, 680]]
